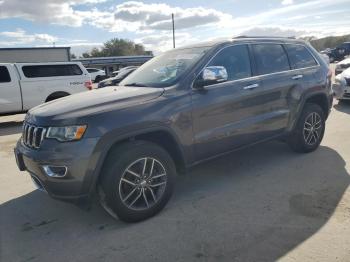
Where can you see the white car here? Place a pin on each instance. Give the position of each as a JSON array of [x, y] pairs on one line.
[[26, 85], [342, 65], [96, 74], [341, 86]]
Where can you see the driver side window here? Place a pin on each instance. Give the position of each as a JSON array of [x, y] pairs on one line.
[[236, 61]]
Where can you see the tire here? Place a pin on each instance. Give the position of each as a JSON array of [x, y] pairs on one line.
[[309, 130], [98, 79], [132, 191]]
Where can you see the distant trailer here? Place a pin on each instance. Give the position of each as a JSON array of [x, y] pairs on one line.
[[34, 54]]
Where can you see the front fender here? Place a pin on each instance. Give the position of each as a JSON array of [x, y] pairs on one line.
[[106, 142]]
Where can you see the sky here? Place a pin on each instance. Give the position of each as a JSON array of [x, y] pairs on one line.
[[84, 24]]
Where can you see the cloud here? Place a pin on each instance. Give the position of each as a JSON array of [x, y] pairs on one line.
[[128, 16], [51, 11], [162, 42], [287, 2], [21, 37], [158, 16]]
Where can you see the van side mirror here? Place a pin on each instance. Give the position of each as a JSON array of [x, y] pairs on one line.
[[211, 75]]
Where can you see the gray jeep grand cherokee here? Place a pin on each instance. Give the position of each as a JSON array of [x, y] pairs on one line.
[[188, 105]]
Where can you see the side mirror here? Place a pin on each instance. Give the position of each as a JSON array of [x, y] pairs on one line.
[[211, 75]]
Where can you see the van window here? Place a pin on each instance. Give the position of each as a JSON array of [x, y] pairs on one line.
[[91, 70], [270, 58], [34, 71], [300, 57], [236, 61], [4, 75]]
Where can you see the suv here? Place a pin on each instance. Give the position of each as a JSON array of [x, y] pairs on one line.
[[188, 105]]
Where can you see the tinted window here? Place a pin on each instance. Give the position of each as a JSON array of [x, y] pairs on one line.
[[299, 56], [236, 61], [90, 70], [51, 70], [270, 58], [4, 75]]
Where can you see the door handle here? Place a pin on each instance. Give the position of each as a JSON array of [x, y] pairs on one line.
[[251, 86], [297, 77]]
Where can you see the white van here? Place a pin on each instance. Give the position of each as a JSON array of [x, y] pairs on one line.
[[25, 85]]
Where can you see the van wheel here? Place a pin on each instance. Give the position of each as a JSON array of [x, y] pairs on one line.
[[309, 130], [98, 79], [137, 181]]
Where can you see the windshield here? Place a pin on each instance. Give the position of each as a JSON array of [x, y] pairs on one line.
[[166, 69], [124, 73]]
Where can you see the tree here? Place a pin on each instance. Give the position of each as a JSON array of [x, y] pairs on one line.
[[117, 47]]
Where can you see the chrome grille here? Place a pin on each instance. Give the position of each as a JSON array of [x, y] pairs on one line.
[[32, 136]]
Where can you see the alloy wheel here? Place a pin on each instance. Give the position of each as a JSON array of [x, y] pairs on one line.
[[312, 129], [142, 184]]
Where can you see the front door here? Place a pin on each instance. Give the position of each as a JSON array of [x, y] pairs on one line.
[[226, 115]]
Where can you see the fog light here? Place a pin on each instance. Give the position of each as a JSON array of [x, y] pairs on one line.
[[55, 171]]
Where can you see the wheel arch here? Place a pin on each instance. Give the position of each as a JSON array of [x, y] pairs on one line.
[[161, 136], [56, 95]]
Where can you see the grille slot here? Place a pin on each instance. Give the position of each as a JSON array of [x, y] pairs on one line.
[[32, 136]]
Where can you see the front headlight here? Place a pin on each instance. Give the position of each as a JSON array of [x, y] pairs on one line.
[[66, 133]]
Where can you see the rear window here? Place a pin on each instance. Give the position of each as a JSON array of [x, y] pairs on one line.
[[4, 75], [300, 56], [270, 58], [51, 70], [90, 70]]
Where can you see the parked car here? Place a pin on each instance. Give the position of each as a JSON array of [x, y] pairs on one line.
[[114, 81], [341, 85], [96, 74], [26, 85], [338, 53], [177, 110], [115, 73], [326, 58], [342, 65]]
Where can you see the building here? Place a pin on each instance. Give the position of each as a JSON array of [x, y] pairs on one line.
[[113, 63], [34, 54]]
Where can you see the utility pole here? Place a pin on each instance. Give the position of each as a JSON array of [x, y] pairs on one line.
[[172, 18]]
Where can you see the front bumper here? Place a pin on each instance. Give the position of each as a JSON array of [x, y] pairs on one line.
[[75, 185], [341, 91]]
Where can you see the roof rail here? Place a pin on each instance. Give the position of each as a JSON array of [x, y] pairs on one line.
[[278, 37]]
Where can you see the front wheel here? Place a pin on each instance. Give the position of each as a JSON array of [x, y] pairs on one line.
[[309, 130], [138, 181]]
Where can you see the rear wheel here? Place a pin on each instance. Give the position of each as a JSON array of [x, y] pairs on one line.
[[309, 130], [137, 182]]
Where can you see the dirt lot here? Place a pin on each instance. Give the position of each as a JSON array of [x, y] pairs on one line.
[[264, 203]]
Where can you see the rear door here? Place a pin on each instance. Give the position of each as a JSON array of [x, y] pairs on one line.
[[10, 92], [273, 68], [226, 115]]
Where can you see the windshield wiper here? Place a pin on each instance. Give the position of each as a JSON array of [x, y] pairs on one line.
[[136, 84]]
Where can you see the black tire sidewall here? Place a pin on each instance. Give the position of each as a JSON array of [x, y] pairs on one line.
[[114, 169], [297, 141]]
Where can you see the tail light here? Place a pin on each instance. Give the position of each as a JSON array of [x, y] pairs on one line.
[[88, 84]]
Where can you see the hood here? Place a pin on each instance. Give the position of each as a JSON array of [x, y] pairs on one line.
[[93, 102], [344, 62], [345, 73]]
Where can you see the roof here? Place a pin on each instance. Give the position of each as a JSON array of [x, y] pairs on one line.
[[245, 39], [34, 48]]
